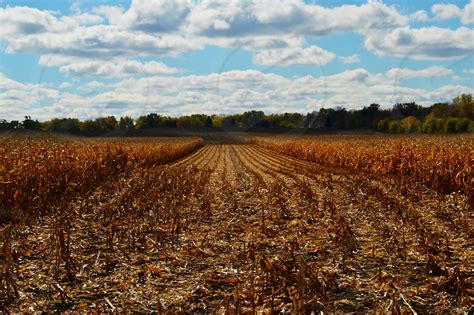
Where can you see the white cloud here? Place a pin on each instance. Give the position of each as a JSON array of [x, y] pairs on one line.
[[350, 59], [467, 16], [469, 70], [419, 16], [445, 11], [101, 42], [435, 71], [156, 16], [17, 21], [65, 85], [17, 99], [116, 69], [113, 13], [442, 11], [266, 17], [424, 43], [312, 55], [228, 92], [170, 27]]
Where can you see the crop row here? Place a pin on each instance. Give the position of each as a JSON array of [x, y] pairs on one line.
[[37, 174], [440, 163]]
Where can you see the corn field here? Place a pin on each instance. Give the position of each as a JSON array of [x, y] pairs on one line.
[[320, 224]]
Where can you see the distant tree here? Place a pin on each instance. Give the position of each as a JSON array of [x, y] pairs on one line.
[[463, 125], [394, 127], [370, 114], [450, 125], [126, 123], [464, 106], [410, 124], [30, 124], [432, 125], [155, 121], [108, 123], [216, 121], [471, 126], [208, 122], [409, 109], [70, 125], [229, 122], [383, 124], [4, 124], [14, 124], [190, 122], [90, 127], [309, 119], [252, 119], [439, 110]]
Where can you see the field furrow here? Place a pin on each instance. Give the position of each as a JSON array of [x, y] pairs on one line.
[[241, 228]]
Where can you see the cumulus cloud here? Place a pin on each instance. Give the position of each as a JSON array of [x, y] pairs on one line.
[[228, 92], [245, 18], [312, 55], [18, 99], [442, 11], [116, 69], [435, 71], [156, 16], [419, 16], [17, 21], [100, 42], [447, 11], [467, 16], [350, 59], [170, 27], [433, 43]]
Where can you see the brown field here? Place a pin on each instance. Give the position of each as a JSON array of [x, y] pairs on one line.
[[324, 224]]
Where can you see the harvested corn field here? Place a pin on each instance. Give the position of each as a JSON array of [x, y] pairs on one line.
[[238, 228]]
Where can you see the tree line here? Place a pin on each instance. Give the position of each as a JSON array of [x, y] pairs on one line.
[[452, 117]]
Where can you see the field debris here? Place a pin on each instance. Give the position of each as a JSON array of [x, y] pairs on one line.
[[232, 228]]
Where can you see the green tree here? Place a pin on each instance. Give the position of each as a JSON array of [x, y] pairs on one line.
[[208, 122], [70, 125], [410, 124], [252, 119], [471, 126], [450, 125], [216, 121], [463, 125], [464, 106], [126, 123], [30, 124], [190, 122], [90, 127], [108, 123], [394, 127], [382, 125]]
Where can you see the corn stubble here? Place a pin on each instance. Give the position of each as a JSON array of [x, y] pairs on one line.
[[325, 224]]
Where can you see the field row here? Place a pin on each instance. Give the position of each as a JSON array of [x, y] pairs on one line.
[[444, 164], [36, 175], [239, 228]]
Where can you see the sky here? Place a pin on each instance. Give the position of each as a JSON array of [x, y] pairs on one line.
[[88, 59]]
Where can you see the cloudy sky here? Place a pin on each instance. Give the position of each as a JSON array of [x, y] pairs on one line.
[[93, 58]]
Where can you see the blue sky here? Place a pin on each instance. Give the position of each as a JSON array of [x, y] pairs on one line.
[[92, 58]]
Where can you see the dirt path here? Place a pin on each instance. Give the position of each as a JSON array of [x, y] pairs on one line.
[[241, 228]]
